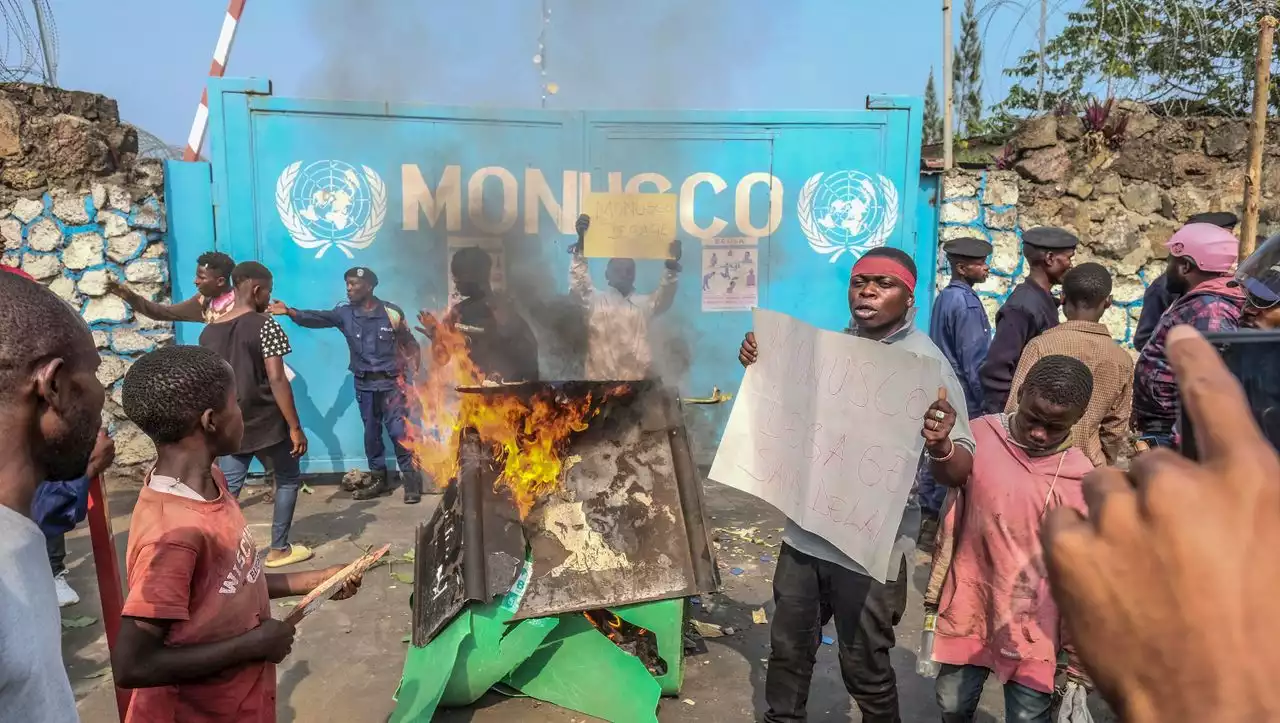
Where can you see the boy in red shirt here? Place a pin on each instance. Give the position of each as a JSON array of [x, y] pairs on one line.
[[196, 636]]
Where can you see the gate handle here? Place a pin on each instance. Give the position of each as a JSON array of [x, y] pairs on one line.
[[716, 398]]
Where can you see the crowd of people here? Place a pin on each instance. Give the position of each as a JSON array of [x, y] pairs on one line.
[[1049, 562], [1039, 405]]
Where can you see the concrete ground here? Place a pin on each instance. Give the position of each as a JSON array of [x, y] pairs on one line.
[[347, 659]]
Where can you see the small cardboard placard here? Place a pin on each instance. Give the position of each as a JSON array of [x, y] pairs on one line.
[[630, 225]]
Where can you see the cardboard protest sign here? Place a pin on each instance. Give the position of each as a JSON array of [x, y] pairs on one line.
[[630, 225], [826, 428]]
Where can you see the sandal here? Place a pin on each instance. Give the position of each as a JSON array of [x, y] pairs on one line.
[[297, 553]]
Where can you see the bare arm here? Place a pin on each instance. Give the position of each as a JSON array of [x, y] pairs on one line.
[[142, 660], [283, 393], [953, 472], [580, 285], [289, 584], [665, 294], [275, 344], [947, 438], [190, 310]]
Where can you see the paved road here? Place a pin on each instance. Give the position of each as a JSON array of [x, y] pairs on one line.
[[347, 660]]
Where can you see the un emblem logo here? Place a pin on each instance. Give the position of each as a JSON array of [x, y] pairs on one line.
[[331, 203], [847, 211]]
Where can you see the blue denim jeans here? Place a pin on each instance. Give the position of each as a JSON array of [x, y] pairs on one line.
[[1158, 440], [960, 686], [278, 458]]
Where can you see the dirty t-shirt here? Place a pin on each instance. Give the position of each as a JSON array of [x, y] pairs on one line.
[[33, 683], [996, 610], [194, 563]]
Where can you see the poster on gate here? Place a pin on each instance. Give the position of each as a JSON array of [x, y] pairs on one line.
[[826, 427], [730, 274]]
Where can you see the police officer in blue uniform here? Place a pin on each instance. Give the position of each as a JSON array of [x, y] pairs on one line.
[[960, 328], [959, 323], [383, 353]]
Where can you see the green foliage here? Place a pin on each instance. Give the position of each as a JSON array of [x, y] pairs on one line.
[[1169, 52], [968, 72], [932, 112]]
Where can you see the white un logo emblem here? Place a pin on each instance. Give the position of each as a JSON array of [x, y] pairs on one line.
[[847, 211], [331, 203]]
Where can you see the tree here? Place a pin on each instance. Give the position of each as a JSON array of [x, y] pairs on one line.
[[1185, 52], [932, 113], [968, 72]]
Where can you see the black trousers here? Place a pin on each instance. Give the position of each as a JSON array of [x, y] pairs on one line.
[[808, 592]]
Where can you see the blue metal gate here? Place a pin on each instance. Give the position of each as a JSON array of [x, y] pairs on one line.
[[801, 193]]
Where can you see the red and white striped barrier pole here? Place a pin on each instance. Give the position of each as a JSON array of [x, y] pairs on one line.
[[107, 566], [195, 139]]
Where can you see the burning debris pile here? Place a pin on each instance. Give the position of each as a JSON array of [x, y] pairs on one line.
[[528, 426], [569, 534]]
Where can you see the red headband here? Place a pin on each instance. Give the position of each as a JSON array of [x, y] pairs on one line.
[[884, 266]]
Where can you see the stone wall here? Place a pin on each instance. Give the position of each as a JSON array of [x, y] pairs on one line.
[[77, 208], [1123, 202]]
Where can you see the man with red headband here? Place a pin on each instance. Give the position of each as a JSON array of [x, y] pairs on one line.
[[815, 582]]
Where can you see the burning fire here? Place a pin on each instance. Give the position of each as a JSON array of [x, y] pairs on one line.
[[528, 433], [631, 639]]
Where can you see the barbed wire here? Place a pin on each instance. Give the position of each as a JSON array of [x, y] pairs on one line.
[[22, 57], [1185, 50], [151, 146]]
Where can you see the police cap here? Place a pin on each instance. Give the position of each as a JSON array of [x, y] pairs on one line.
[[968, 247], [1221, 219], [363, 273], [1047, 237]]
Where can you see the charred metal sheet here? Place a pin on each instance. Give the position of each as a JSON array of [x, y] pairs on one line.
[[439, 591], [617, 532], [706, 574], [472, 548]]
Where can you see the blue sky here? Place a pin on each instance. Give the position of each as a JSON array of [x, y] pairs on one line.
[[715, 54]]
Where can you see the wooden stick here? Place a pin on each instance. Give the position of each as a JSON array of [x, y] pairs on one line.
[[330, 587], [1257, 133]]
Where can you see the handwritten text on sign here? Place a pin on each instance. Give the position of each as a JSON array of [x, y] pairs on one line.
[[826, 428], [630, 225]]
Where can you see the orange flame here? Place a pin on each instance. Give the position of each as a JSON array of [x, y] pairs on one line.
[[528, 435], [608, 623]]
